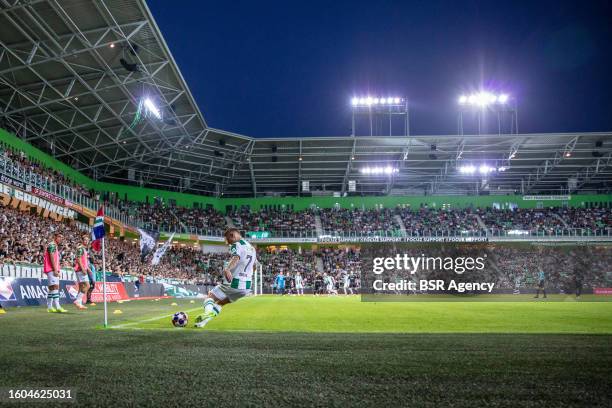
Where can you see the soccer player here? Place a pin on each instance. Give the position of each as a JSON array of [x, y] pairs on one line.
[[92, 281], [541, 282], [238, 276], [353, 281], [51, 267], [329, 284], [82, 271], [280, 283], [318, 284], [346, 283], [299, 284]]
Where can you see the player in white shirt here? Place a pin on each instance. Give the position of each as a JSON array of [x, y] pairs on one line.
[[299, 284], [346, 283], [328, 280], [237, 277]]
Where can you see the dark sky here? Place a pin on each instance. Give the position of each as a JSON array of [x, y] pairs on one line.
[[290, 68]]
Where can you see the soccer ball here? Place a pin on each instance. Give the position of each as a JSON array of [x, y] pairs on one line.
[[179, 319]]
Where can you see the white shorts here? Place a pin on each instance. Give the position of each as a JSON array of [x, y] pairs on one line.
[[52, 279], [82, 277], [225, 291], [346, 285], [330, 287], [299, 286]]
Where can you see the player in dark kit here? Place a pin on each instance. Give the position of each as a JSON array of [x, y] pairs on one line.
[[92, 281], [318, 284], [353, 282]]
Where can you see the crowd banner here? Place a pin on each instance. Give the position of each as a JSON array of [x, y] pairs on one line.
[[30, 199]]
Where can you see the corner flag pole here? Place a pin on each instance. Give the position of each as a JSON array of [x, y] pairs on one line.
[[104, 285]]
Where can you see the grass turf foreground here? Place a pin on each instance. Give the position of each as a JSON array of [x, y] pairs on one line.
[[270, 351]]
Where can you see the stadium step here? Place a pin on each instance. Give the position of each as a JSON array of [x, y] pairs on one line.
[[481, 223], [318, 225], [557, 216], [400, 222]]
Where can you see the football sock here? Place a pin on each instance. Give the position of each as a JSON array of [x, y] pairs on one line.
[[79, 298], [216, 309], [208, 305], [211, 307], [56, 299], [49, 299]]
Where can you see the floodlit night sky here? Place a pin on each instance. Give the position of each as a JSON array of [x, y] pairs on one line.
[[269, 69]]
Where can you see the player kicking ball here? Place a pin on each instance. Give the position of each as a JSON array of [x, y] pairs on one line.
[[237, 275], [51, 268], [82, 270]]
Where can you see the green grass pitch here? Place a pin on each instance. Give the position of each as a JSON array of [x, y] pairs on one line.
[[307, 351]]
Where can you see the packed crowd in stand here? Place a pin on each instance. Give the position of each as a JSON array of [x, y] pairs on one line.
[[161, 217], [421, 221], [368, 222], [278, 222], [427, 221], [24, 235], [19, 162]]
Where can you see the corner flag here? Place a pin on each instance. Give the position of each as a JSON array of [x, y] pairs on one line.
[[97, 233]]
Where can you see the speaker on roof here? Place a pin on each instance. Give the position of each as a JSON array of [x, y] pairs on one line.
[[128, 66]]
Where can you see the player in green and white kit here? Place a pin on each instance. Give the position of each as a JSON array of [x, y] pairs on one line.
[[299, 284], [237, 277]]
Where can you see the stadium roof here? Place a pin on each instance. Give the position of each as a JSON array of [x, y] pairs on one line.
[[73, 74]]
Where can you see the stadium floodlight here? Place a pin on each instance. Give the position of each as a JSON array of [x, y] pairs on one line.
[[469, 169], [484, 169], [483, 99], [154, 110], [387, 170], [374, 100]]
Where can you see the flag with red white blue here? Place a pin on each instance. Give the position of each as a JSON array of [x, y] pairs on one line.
[[97, 233]]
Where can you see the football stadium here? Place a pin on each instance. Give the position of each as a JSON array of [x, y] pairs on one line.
[[150, 259]]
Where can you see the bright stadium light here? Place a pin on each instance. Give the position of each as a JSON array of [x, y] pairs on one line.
[[370, 100], [484, 169], [483, 99], [469, 169], [154, 110], [387, 170]]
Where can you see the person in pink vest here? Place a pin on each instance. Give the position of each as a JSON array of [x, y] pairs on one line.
[[82, 270], [51, 268]]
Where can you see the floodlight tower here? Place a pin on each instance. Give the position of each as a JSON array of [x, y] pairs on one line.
[[485, 105], [380, 112]]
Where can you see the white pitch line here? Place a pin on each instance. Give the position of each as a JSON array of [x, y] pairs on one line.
[[148, 320]]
